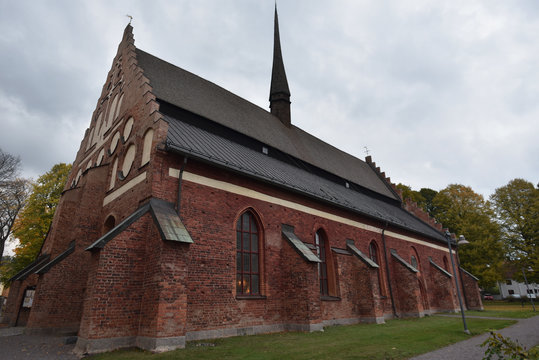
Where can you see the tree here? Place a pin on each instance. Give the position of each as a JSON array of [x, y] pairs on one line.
[[428, 195], [13, 192], [32, 224], [466, 213], [423, 197], [516, 206], [408, 193]]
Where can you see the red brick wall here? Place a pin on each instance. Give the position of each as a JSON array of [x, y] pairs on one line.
[[471, 292], [60, 291]]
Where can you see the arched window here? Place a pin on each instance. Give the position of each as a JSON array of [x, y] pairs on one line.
[[320, 243], [414, 259], [373, 255], [247, 255], [147, 147], [109, 224], [326, 273], [373, 252]]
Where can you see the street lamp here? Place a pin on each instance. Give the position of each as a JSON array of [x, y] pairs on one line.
[[461, 241], [448, 237], [528, 294]]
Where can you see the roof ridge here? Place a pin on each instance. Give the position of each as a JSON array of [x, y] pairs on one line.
[[183, 89]]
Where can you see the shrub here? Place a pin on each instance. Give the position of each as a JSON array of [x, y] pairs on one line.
[[505, 348]]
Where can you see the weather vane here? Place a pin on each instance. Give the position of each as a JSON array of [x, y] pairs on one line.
[[366, 150], [130, 18]]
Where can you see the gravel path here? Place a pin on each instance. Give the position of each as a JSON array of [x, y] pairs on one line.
[[526, 331], [15, 346]]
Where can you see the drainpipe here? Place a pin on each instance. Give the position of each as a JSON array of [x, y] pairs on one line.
[[180, 185], [387, 272]]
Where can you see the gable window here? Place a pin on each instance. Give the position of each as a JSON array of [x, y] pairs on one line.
[[373, 255], [247, 255]]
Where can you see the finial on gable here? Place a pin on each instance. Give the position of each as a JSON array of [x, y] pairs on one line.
[[279, 91]]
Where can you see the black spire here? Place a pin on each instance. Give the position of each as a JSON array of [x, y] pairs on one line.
[[279, 92]]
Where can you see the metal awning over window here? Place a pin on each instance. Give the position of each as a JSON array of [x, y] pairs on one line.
[[298, 245]]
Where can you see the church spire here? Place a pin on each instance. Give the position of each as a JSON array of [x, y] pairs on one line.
[[279, 92]]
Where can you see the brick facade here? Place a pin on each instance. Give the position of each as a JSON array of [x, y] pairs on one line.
[[141, 290]]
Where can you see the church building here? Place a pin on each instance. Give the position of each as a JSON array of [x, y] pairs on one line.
[[191, 213]]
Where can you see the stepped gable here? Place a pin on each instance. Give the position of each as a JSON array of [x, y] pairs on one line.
[[407, 204]]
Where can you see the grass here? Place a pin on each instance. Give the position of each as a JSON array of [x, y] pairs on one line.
[[397, 339], [506, 309]]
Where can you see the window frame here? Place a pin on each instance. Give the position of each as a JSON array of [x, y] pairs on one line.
[[327, 280], [377, 260], [242, 276]]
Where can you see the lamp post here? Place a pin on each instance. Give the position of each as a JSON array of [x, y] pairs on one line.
[[462, 241], [448, 237], [528, 294]]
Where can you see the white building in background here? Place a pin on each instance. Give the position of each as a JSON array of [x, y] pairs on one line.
[[512, 288]]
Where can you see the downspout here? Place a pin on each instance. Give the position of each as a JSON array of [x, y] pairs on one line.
[[387, 272], [180, 176]]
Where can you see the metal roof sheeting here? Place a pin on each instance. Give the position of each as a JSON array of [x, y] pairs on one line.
[[199, 96], [210, 147]]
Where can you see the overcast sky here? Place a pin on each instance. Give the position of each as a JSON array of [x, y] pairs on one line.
[[439, 92]]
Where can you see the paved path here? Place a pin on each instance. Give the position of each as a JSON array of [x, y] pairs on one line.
[[15, 346], [526, 331]]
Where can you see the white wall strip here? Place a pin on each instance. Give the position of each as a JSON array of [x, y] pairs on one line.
[[239, 190], [112, 196]]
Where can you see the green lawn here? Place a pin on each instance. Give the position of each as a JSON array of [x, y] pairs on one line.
[[397, 339], [506, 309]]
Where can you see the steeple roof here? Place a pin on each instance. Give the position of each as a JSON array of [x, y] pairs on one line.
[[279, 84]]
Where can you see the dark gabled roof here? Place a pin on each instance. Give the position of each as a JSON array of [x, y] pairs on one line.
[[442, 270], [196, 142], [352, 247], [165, 218], [28, 270], [46, 267], [402, 261], [297, 244], [192, 93]]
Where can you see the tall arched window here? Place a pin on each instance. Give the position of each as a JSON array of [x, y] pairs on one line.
[[109, 224], [373, 255], [247, 255], [414, 259], [320, 243]]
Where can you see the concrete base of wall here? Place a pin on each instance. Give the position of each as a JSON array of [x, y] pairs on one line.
[[251, 330], [94, 346], [160, 344], [352, 321]]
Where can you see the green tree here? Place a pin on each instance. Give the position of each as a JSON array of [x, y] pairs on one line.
[[428, 195], [33, 222], [408, 193], [466, 213], [516, 206]]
